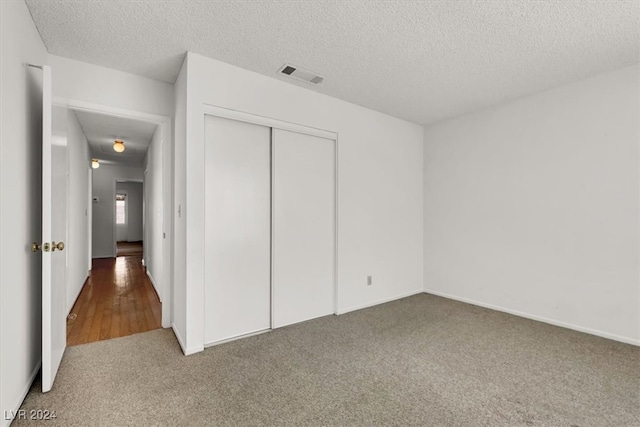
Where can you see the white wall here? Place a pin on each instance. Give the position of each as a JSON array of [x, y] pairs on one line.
[[20, 204], [104, 185], [91, 83], [78, 249], [532, 207], [154, 215], [379, 184], [178, 250], [132, 231]]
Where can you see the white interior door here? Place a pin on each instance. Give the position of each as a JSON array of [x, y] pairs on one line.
[[237, 228], [54, 231], [303, 227]]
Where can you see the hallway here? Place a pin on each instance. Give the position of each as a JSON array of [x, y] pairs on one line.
[[117, 300]]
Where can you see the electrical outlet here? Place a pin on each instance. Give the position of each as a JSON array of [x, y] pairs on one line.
[[369, 280]]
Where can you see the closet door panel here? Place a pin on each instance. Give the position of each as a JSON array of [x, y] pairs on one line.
[[237, 228], [303, 235]]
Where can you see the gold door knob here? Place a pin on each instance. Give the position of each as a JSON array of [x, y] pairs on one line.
[[59, 246], [35, 247]]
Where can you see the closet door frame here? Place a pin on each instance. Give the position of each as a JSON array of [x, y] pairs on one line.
[[213, 110]]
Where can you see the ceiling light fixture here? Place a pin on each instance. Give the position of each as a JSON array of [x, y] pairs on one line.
[[95, 164], [118, 146]]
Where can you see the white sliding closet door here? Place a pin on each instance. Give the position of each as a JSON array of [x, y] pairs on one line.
[[303, 247], [237, 228]]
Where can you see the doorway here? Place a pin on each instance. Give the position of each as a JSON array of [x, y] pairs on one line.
[[130, 225], [121, 295]]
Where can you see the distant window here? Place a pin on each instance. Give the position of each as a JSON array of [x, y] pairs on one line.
[[121, 200]]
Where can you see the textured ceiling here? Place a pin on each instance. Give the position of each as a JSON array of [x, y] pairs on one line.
[[102, 130], [419, 60]]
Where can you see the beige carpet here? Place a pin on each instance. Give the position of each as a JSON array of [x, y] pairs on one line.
[[423, 361]]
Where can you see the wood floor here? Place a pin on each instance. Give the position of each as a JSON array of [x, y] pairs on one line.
[[128, 248], [117, 300]]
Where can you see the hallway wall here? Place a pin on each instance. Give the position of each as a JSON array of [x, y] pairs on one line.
[[154, 212], [65, 125], [78, 240]]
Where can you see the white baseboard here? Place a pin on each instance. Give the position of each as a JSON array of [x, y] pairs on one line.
[[185, 350], [102, 256], [382, 301], [16, 405], [77, 295], [179, 338], [250, 334], [537, 318], [155, 286], [165, 324]]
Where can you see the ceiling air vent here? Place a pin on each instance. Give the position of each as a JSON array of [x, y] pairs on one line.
[[301, 74]]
